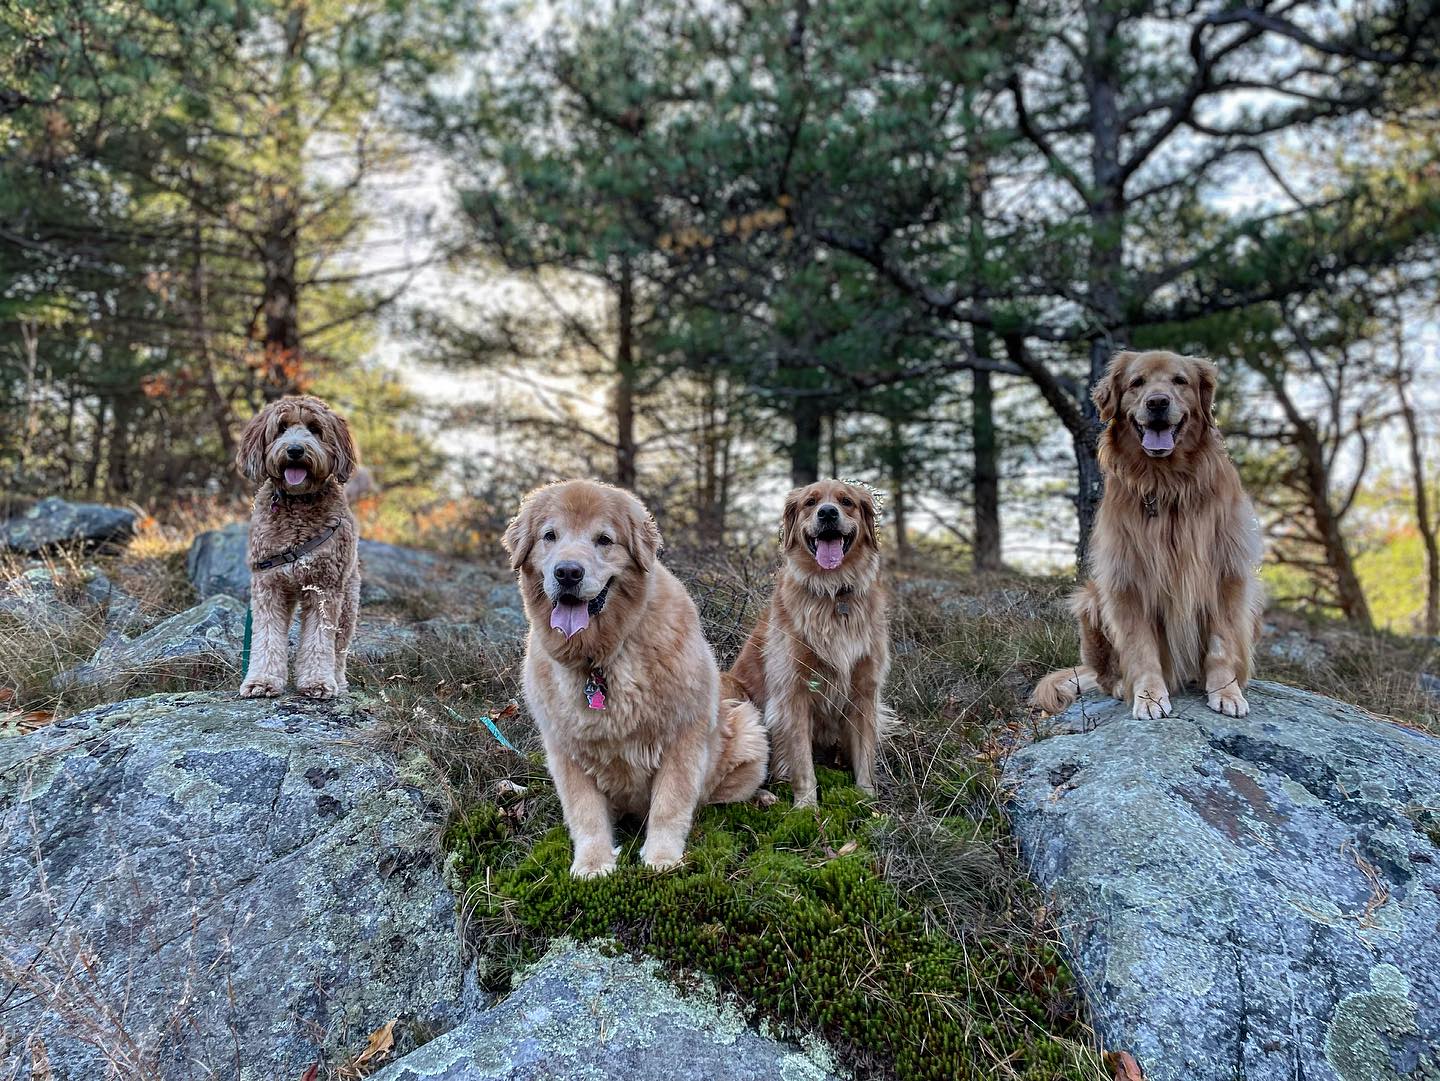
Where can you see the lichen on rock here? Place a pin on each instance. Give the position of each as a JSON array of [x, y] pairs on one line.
[[253, 886]]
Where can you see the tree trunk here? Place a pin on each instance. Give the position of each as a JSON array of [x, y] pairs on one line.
[[987, 466], [117, 461], [805, 450], [97, 445], [1422, 511], [1106, 264], [1349, 594], [625, 380], [282, 370], [220, 412]]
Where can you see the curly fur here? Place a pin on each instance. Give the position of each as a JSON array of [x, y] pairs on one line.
[[325, 583]]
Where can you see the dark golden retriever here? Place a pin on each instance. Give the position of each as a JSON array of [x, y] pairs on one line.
[[1173, 597], [817, 659]]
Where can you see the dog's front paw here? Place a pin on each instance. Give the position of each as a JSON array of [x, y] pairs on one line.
[[1152, 700], [262, 686], [764, 798], [662, 854], [593, 861], [318, 687], [1228, 700]]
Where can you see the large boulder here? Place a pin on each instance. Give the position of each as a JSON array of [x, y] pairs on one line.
[[203, 886], [53, 522], [60, 600], [1253, 898], [581, 1013], [209, 635], [218, 562]]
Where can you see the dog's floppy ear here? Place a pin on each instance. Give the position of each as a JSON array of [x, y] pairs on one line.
[[642, 536], [870, 513], [342, 443], [250, 454], [790, 518], [1107, 392], [1206, 378], [519, 535]]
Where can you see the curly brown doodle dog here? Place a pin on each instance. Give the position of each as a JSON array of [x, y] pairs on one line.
[[619, 678], [302, 546], [817, 659], [1173, 596]]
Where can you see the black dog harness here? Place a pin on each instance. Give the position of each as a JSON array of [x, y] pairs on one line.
[[292, 555]]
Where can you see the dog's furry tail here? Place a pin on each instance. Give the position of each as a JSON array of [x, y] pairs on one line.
[[744, 753], [1059, 690]]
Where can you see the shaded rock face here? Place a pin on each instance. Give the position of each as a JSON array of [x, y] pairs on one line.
[[1255, 898], [53, 522], [218, 562], [951, 600], [196, 883], [211, 632], [38, 595], [579, 1013]]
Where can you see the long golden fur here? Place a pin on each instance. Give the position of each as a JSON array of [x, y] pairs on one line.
[[1173, 597], [302, 454], [598, 598], [817, 659]]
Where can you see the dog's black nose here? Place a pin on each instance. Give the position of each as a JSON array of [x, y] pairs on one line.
[[1158, 405], [828, 513], [294, 453], [569, 575]]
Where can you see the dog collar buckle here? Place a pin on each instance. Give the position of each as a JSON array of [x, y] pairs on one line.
[[1151, 504], [595, 688], [842, 600]]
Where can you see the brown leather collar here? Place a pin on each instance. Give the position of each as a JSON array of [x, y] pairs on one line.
[[292, 555]]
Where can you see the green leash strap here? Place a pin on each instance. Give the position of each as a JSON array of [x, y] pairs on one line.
[[245, 646]]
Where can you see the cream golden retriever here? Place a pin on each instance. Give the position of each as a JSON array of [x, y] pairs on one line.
[[1173, 597], [619, 678], [817, 659]]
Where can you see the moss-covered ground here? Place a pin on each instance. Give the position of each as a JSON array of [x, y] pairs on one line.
[[790, 910]]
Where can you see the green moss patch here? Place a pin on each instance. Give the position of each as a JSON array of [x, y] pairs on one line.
[[788, 910]]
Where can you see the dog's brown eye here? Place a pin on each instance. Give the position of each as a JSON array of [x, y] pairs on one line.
[[1181, 381], [550, 535], [810, 502], [1137, 382], [314, 429], [602, 540], [847, 502]]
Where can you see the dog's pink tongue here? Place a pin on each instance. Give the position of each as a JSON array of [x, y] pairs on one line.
[[829, 553], [570, 618], [295, 475], [1164, 439]]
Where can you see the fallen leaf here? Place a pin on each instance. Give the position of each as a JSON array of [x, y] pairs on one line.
[[28, 721], [511, 708], [310, 1072], [377, 1048], [6, 694], [1123, 1065]]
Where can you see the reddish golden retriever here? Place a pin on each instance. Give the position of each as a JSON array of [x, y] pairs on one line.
[[1173, 597], [817, 659]]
